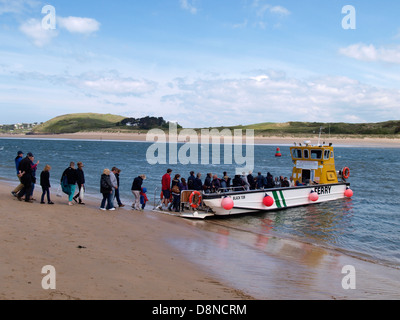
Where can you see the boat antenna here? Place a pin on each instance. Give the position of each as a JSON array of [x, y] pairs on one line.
[[320, 132]]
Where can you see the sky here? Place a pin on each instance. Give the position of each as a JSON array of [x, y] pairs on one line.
[[203, 63]]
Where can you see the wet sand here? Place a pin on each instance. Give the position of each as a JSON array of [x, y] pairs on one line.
[[121, 255], [128, 255], [273, 140]]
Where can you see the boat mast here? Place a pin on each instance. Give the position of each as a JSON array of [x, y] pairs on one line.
[[320, 132]]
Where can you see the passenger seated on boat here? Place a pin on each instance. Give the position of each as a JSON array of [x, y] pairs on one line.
[[291, 182], [299, 184], [237, 183], [285, 183], [215, 184], [224, 184], [251, 180], [207, 183], [246, 183], [270, 181], [198, 184], [228, 182], [261, 182]]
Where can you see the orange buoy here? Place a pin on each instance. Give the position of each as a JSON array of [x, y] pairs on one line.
[[268, 201], [349, 193], [227, 204], [314, 196]]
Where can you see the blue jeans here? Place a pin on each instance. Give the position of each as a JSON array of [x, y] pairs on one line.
[[46, 191], [112, 199], [107, 197]]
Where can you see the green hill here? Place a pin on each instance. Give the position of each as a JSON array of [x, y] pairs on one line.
[[307, 128], [73, 123]]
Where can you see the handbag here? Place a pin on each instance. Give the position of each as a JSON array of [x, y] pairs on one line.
[[82, 193], [175, 189]]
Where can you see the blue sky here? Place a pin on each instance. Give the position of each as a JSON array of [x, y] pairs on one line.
[[201, 62]]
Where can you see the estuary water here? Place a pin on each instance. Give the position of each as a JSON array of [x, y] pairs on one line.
[[366, 227]]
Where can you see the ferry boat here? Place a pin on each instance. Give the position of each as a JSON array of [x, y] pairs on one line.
[[315, 180]]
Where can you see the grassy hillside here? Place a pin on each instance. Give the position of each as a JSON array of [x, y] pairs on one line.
[[73, 123], [300, 128]]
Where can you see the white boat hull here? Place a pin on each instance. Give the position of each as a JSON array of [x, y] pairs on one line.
[[252, 201]]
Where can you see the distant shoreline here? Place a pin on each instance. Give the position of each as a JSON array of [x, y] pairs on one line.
[[372, 142]]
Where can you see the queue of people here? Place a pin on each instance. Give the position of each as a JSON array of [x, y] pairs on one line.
[[73, 184], [172, 187]]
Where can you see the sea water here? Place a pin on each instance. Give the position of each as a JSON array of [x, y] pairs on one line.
[[366, 226]]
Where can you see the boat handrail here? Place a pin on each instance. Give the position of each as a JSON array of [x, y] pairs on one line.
[[155, 197]]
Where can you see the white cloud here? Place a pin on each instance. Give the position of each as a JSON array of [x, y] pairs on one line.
[[265, 13], [280, 10], [34, 31], [119, 86], [189, 6], [16, 6], [264, 98], [370, 53], [78, 24]]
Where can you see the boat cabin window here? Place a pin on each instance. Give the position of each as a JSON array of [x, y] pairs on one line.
[[306, 154], [332, 154], [327, 154], [316, 154], [297, 153]]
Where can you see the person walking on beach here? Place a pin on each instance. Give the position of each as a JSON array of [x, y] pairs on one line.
[[136, 190], [106, 190], [18, 160], [34, 169], [25, 173], [45, 184], [81, 183], [72, 178], [166, 188], [117, 173], [114, 183]]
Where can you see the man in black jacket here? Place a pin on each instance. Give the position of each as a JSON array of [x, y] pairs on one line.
[[81, 183], [72, 178], [136, 190], [25, 173]]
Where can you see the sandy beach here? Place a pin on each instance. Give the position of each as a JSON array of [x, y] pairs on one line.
[[124, 254], [273, 140], [129, 255]]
